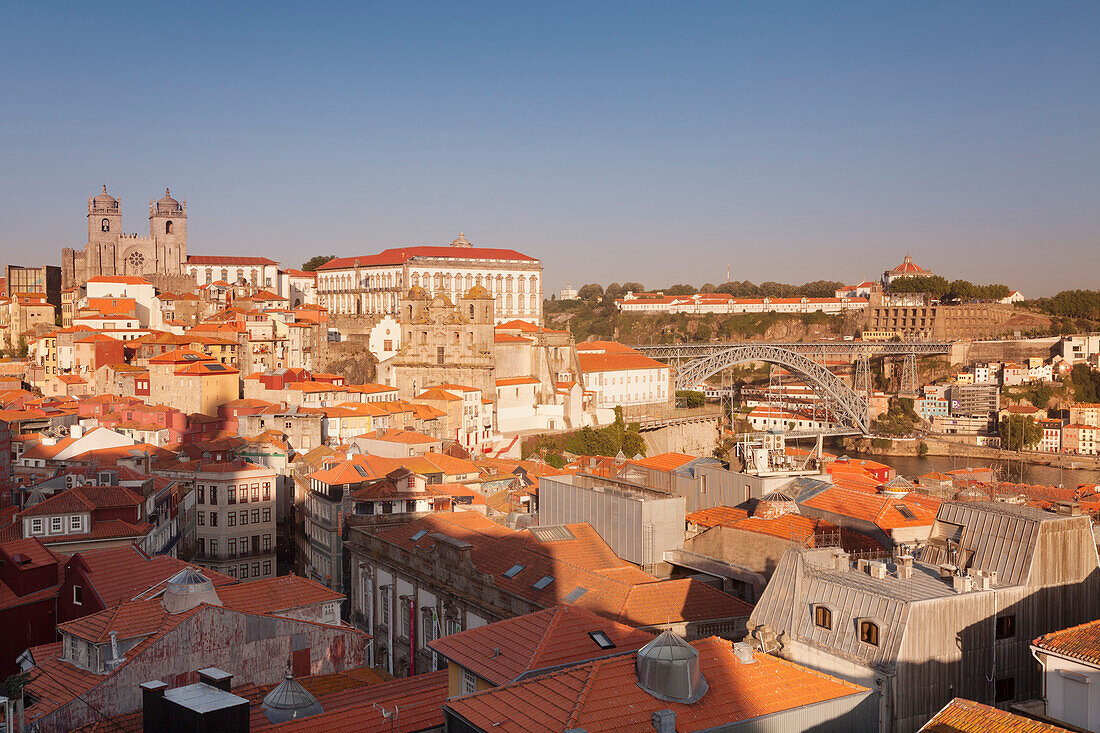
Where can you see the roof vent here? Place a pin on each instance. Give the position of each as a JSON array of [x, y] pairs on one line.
[[189, 588], [289, 701], [668, 669]]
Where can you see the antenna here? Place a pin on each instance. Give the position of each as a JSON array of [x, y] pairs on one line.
[[390, 715]]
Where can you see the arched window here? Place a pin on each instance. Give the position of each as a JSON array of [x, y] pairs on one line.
[[508, 301], [471, 311], [255, 278], [105, 225], [225, 275], [209, 276], [508, 284], [534, 302], [522, 284], [868, 632], [168, 227], [823, 617]]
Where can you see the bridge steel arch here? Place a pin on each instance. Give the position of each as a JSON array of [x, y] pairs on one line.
[[840, 399]]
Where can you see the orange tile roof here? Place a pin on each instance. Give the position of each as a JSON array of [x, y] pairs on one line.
[[120, 574], [878, 509], [619, 361], [436, 393], [615, 589], [965, 716], [126, 279], [504, 651], [1077, 642], [605, 695], [507, 338], [665, 461], [512, 381]]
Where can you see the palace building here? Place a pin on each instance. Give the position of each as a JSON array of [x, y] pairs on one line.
[[373, 284], [110, 251]]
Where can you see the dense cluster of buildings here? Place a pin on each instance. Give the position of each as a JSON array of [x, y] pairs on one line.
[[203, 528]]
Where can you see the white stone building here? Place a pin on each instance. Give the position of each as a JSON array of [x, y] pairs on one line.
[[258, 271], [373, 284], [619, 375]]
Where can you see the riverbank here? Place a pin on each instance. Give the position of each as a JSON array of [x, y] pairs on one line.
[[946, 448]]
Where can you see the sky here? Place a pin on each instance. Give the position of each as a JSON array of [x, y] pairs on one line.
[[657, 143]]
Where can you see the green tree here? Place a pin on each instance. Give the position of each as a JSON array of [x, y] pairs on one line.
[[613, 291], [21, 350], [690, 398], [1019, 432], [708, 288], [592, 292], [316, 261], [633, 287], [680, 289]]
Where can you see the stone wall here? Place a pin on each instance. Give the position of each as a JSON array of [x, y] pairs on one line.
[[968, 352], [696, 437]]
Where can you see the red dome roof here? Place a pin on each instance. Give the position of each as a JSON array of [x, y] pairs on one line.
[[907, 266]]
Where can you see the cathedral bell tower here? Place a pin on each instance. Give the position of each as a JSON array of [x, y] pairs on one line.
[[104, 226], [168, 230]]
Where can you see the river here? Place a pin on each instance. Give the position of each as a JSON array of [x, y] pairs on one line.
[[1026, 473]]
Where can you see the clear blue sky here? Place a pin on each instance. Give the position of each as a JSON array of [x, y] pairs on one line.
[[627, 141]]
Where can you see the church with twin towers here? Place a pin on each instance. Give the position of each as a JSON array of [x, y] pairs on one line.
[[110, 251]]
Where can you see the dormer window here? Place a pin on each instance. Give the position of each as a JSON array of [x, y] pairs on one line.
[[868, 632], [823, 617]]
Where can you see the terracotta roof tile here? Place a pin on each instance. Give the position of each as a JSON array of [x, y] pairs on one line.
[[964, 716]]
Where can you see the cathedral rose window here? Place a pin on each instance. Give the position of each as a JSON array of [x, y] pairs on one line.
[[136, 260]]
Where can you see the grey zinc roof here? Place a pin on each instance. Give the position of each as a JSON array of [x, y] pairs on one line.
[[996, 536]]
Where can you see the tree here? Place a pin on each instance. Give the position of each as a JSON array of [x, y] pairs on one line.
[[613, 291], [633, 287], [591, 292], [690, 398], [1019, 432], [22, 348], [316, 261], [680, 289], [708, 288]]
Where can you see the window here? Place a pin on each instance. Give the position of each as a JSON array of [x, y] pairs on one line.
[[255, 516], [202, 494], [105, 225], [74, 523], [55, 525], [213, 548], [255, 569], [267, 567], [233, 495], [384, 605], [905, 511], [244, 517], [603, 641], [267, 515], [267, 542], [232, 546], [78, 595], [868, 632], [255, 492], [214, 495], [1006, 626], [1004, 689], [543, 582], [419, 534], [213, 519], [167, 227], [244, 570], [513, 571], [37, 526], [201, 518], [823, 617], [469, 681], [231, 519]]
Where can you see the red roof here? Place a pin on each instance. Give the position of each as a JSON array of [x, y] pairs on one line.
[[618, 361], [880, 510], [907, 267], [224, 260], [126, 279], [121, 574], [400, 255], [1077, 642], [605, 695], [665, 461], [504, 651], [965, 716]]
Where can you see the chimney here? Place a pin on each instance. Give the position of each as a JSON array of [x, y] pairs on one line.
[[664, 721], [1068, 508], [863, 564], [75, 431], [216, 678], [878, 569], [843, 560], [905, 566], [743, 652], [153, 716], [947, 570]]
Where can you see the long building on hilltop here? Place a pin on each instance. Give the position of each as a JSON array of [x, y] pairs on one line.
[[373, 284]]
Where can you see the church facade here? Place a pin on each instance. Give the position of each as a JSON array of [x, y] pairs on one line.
[[110, 251]]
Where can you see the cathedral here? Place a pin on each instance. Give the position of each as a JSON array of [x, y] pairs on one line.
[[111, 252]]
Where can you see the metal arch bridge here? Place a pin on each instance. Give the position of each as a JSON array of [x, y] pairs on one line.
[[706, 360]]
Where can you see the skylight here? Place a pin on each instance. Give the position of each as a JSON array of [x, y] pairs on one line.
[[419, 534], [575, 594], [543, 582], [905, 511], [603, 641], [513, 571]]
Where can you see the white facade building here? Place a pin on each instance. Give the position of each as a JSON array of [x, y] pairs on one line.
[[619, 375], [373, 284], [258, 271]]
